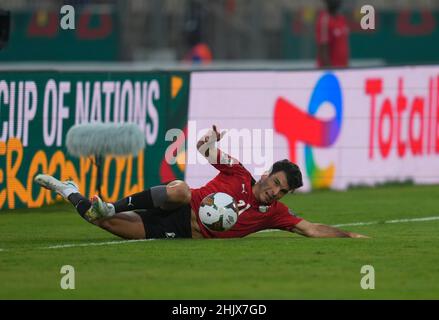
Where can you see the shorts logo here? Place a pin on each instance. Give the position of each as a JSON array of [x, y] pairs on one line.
[[299, 126], [130, 204], [170, 235]]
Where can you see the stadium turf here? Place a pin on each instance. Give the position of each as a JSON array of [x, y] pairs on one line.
[[269, 265]]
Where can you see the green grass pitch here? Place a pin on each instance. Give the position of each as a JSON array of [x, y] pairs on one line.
[[269, 265]]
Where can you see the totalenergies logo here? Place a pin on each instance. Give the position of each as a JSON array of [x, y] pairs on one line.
[[299, 126]]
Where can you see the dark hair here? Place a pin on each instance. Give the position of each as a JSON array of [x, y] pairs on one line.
[[333, 6], [292, 171]]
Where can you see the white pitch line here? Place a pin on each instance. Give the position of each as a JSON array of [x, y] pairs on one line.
[[388, 221], [72, 245]]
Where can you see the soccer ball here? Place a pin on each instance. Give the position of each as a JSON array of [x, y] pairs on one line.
[[218, 211]]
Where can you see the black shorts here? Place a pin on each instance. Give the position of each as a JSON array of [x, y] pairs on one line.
[[161, 224]]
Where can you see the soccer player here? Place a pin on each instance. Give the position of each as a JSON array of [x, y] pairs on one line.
[[332, 35], [171, 211]]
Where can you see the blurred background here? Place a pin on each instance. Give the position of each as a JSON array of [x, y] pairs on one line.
[[241, 32]]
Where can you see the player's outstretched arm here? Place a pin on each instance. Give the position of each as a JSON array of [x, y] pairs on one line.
[[317, 230]]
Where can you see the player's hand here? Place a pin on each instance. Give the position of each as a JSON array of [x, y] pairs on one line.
[[218, 135], [356, 235], [208, 141], [213, 135]]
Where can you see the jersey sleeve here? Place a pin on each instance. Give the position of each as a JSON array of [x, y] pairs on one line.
[[322, 28], [284, 218]]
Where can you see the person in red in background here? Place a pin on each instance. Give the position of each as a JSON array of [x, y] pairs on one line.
[[332, 35]]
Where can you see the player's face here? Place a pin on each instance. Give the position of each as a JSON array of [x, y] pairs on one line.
[[273, 187]]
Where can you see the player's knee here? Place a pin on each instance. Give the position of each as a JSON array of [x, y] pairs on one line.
[[179, 192]]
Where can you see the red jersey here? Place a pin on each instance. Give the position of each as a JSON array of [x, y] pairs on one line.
[[333, 31], [235, 180]]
